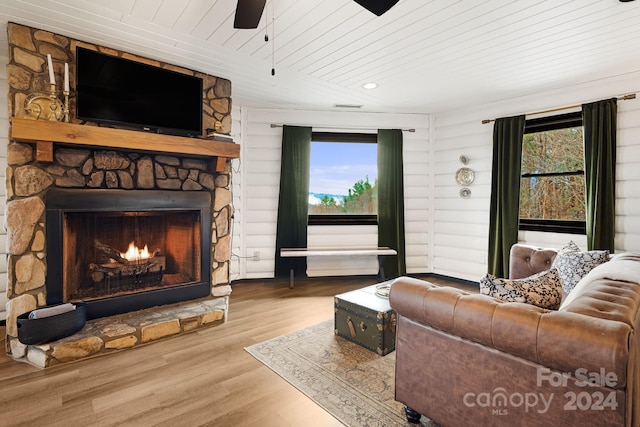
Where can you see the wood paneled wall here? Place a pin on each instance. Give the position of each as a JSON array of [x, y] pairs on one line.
[[256, 186], [446, 234], [461, 226]]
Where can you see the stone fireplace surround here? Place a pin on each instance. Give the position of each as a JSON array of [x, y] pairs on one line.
[[122, 161], [128, 171]]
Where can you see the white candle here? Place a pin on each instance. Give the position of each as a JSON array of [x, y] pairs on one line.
[[52, 79], [66, 77]]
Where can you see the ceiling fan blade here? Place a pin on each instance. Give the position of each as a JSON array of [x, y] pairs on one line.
[[248, 13], [377, 6]]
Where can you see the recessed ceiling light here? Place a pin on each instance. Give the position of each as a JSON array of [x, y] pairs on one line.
[[370, 85]]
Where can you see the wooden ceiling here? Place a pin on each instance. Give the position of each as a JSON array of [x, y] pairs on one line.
[[426, 56]]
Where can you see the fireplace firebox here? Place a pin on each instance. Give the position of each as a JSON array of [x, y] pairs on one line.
[[125, 250]]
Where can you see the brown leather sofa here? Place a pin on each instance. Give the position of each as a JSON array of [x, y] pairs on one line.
[[466, 359]]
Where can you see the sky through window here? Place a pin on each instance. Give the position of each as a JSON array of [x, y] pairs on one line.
[[337, 166]]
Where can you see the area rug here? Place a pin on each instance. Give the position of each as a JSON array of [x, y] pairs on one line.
[[353, 384]]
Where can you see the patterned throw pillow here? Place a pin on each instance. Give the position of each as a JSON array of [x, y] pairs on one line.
[[573, 265], [570, 247], [543, 289]]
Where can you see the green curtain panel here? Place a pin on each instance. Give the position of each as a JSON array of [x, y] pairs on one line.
[[391, 200], [505, 192], [599, 121], [293, 201]]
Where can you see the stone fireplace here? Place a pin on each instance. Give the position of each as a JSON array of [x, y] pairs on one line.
[[62, 235], [79, 194]]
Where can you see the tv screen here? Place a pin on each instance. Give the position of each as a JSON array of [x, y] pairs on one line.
[[114, 90]]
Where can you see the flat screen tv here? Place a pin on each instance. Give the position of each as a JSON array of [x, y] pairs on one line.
[[118, 91]]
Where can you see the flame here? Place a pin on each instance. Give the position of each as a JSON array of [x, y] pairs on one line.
[[135, 254]]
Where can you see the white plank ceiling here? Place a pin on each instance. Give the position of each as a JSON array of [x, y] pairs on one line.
[[427, 56]]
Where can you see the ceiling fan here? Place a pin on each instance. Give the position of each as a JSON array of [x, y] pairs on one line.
[[248, 12]]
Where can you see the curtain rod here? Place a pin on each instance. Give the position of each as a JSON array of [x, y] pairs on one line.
[[620, 98], [274, 125]]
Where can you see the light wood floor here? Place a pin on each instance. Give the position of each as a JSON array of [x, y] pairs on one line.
[[202, 378]]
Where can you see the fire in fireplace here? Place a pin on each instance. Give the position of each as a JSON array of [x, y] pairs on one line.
[[120, 251]]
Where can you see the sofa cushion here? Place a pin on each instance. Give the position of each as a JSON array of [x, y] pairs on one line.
[[573, 264], [543, 289]]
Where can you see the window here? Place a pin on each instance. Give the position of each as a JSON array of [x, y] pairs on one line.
[[552, 188], [343, 179]]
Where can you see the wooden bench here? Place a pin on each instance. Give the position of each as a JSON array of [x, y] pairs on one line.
[[380, 252]]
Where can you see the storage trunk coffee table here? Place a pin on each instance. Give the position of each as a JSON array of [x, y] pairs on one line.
[[365, 318]]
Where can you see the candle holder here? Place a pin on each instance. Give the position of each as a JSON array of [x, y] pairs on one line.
[[40, 106], [54, 111], [66, 106]]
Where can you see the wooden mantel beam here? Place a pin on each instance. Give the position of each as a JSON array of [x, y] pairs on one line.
[[41, 131]]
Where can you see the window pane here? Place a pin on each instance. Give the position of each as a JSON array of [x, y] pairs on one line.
[[553, 151], [343, 178], [553, 197], [553, 162]]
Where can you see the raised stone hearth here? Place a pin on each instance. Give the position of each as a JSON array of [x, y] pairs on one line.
[[116, 333]]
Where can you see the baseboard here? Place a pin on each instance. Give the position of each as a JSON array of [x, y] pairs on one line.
[[279, 280], [373, 278]]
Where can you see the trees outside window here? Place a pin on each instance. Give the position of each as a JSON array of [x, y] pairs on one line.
[[360, 199], [552, 188]]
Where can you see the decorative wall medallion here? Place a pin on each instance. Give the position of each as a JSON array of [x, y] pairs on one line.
[[464, 176], [465, 193]]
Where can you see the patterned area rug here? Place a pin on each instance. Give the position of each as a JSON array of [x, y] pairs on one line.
[[353, 384]]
